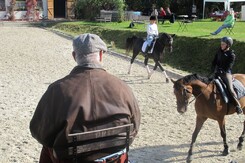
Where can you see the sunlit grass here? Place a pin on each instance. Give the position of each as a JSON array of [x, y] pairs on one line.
[[198, 28], [193, 48]]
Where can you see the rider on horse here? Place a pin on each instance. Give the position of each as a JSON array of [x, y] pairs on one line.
[[152, 33], [222, 67]]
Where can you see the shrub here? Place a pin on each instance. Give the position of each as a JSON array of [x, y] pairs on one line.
[[88, 9]]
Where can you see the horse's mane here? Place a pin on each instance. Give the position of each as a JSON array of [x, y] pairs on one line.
[[189, 78], [166, 34], [160, 41]]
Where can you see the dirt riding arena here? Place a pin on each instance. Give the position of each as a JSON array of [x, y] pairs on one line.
[[31, 58]]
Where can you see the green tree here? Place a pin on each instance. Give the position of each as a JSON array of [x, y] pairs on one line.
[[134, 5], [88, 9]]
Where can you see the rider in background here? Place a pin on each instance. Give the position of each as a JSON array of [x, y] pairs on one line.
[[222, 66], [152, 32]]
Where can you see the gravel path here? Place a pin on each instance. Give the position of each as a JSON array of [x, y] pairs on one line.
[[31, 58]]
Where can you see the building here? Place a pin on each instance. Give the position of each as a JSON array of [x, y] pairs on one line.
[[44, 9]]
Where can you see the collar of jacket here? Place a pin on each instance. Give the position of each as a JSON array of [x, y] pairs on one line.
[[79, 68]]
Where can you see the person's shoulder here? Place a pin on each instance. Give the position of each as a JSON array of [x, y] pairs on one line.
[[112, 79], [57, 83], [232, 52]]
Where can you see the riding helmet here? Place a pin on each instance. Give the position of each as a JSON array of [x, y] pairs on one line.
[[153, 17], [227, 40]]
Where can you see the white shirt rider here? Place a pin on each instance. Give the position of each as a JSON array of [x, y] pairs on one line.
[[152, 30]]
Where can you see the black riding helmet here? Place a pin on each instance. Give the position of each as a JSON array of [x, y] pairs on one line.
[[227, 40], [153, 17]]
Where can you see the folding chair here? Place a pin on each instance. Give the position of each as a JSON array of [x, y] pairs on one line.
[[230, 30], [97, 140], [183, 25]]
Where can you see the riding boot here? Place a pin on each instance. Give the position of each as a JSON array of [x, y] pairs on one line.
[[238, 106], [147, 49]]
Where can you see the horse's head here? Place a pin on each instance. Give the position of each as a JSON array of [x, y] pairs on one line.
[[183, 93], [167, 41]]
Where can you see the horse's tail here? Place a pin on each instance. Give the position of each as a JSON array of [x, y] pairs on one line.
[[130, 43]]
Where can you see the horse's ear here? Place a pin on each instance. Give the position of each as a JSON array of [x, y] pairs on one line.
[[173, 35], [172, 80]]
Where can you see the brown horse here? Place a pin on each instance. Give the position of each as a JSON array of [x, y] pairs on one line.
[[208, 104]]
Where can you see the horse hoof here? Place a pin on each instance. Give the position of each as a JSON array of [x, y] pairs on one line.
[[167, 80], [225, 152], [149, 75]]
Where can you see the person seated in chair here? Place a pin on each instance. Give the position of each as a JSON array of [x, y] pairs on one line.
[[87, 99], [228, 23], [162, 15], [222, 66], [152, 33]]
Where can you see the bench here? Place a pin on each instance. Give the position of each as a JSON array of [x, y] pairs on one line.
[[104, 18], [94, 141]]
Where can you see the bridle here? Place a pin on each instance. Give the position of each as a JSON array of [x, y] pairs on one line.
[[185, 93], [169, 39]]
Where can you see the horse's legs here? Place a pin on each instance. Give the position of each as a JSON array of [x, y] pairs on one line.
[[130, 67], [163, 71], [131, 62], [147, 67], [241, 138], [152, 72], [199, 124], [223, 134]]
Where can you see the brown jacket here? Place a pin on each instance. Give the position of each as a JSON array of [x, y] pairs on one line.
[[86, 99]]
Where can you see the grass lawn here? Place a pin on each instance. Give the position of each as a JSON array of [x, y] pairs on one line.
[[193, 48], [199, 28]]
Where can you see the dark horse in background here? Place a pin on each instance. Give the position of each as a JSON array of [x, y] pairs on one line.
[[164, 40], [209, 104]]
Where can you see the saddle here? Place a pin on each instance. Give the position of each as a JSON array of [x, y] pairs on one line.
[[237, 85], [145, 44]]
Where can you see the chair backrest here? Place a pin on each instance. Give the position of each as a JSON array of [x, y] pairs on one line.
[[96, 140]]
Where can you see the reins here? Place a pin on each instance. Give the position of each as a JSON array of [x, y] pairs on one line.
[[198, 94], [159, 38], [195, 98]]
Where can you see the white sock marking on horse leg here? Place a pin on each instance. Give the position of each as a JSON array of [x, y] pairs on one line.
[[150, 74], [147, 69], [129, 69], [165, 74]]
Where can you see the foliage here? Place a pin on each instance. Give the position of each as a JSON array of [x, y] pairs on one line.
[[88, 9], [119, 5], [135, 5]]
